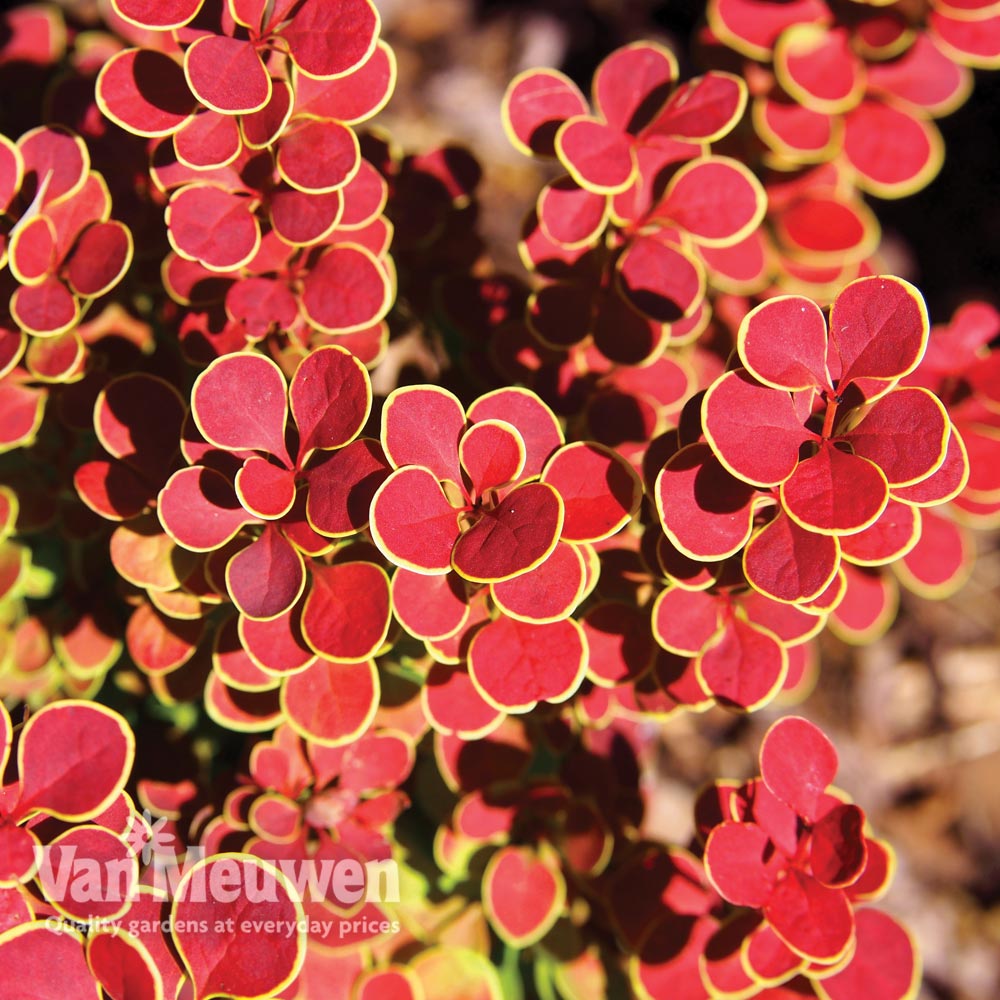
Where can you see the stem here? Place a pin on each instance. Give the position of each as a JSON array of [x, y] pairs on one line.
[[831, 415]]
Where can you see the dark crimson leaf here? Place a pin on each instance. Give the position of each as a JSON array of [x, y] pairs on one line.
[[342, 486], [515, 536], [267, 577], [837, 853]]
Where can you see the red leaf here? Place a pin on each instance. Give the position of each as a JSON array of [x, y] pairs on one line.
[[263, 953], [878, 329], [264, 489], [327, 40], [160, 15], [217, 228], [346, 615], [49, 961], [894, 151], [597, 156], [662, 281], [706, 512], [755, 431], [788, 563], [492, 453], [345, 290], [782, 342], [632, 84], [811, 919], [514, 665], [199, 509], [599, 490], [122, 965], [797, 763], [703, 109], [717, 200], [73, 758], [412, 522], [429, 607], [834, 492], [523, 895], [276, 645], [330, 396], [885, 965], [512, 538], [267, 577], [421, 425], [536, 103], [208, 140], [46, 309], [240, 403], [318, 156], [144, 91], [454, 706], [534, 421], [548, 592], [744, 666], [227, 75], [331, 703], [353, 98]]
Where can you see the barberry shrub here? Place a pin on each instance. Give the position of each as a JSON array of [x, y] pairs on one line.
[[319, 678]]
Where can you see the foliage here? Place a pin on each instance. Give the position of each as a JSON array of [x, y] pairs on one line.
[[306, 610]]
